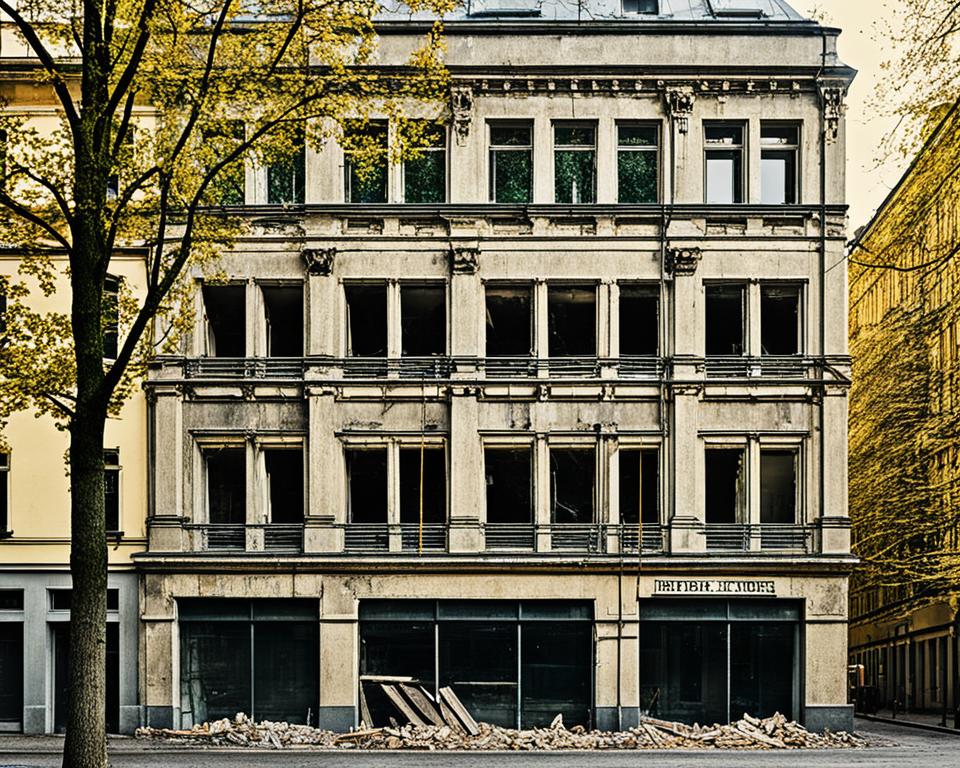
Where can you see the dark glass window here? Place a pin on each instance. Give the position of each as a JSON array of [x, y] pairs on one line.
[[111, 489], [111, 316], [762, 658], [221, 139], [639, 486], [426, 481], [11, 600], [509, 320], [423, 320], [479, 661], [639, 320], [509, 476], [62, 599], [637, 163], [724, 163], [367, 485], [778, 486], [511, 163], [575, 163], [224, 307], [425, 175], [725, 487], [572, 327], [283, 311], [285, 484], [780, 319], [641, 6], [11, 671], [365, 147], [366, 320], [779, 161], [226, 485], [286, 175], [725, 317], [572, 485]]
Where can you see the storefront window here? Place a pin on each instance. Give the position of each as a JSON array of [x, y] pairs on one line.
[[11, 671]]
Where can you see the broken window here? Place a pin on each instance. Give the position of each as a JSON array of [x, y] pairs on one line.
[[572, 485], [365, 147], [637, 163], [4, 493], [725, 485], [111, 316], [778, 486], [366, 320], [509, 479], [511, 162], [780, 319], [225, 312], [572, 320], [779, 152], [423, 485], [286, 175], [423, 320], [284, 484], [220, 140], [724, 163], [226, 485], [367, 485], [283, 309], [639, 320], [509, 320], [574, 163], [111, 489], [639, 486], [725, 319], [425, 176]]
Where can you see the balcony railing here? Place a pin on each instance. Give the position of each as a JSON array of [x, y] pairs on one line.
[[406, 537], [737, 367], [766, 537], [244, 368], [265, 537]]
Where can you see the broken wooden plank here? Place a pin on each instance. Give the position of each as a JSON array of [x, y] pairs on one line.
[[461, 711], [398, 701], [450, 718], [353, 735], [365, 715], [421, 702], [386, 679]]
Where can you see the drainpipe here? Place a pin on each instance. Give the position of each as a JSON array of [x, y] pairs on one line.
[[956, 670]]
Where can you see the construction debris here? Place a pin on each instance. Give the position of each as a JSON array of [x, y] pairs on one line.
[[750, 733]]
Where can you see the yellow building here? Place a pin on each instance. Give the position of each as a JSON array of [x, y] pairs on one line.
[[905, 436]]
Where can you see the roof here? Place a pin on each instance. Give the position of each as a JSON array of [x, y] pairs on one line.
[[738, 11]]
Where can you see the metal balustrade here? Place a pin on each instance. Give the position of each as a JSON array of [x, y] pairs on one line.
[[652, 536], [244, 368], [233, 537], [790, 367], [434, 538], [766, 537], [510, 536], [366, 537]]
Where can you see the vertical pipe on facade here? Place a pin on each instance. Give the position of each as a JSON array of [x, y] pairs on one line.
[[823, 279]]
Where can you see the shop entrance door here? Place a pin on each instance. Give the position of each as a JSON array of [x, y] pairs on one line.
[[61, 676], [11, 675]]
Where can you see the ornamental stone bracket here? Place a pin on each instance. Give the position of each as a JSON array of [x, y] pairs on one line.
[[464, 260], [682, 261], [831, 101], [461, 107], [319, 261], [680, 103]]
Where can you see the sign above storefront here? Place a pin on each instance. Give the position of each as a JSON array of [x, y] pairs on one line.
[[725, 587]]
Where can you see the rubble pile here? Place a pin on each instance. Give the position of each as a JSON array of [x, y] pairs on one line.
[[243, 732]]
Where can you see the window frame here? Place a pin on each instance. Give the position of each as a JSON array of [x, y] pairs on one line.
[[741, 179], [531, 287], [443, 147], [801, 288], [5, 464], [111, 325], [654, 288], [348, 167], [575, 148], [796, 448], [794, 149], [744, 286], [116, 467], [493, 149], [655, 150], [562, 443]]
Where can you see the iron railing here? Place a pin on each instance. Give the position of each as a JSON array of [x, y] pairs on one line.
[[742, 367], [244, 368], [406, 537], [267, 537], [766, 537]]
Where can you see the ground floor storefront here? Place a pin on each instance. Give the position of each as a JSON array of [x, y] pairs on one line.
[[517, 648]]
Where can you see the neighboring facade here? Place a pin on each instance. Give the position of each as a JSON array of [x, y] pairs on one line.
[[904, 427], [423, 428]]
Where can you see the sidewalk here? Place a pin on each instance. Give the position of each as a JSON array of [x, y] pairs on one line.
[[931, 721], [17, 743]]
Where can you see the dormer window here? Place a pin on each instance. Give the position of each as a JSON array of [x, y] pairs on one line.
[[634, 7]]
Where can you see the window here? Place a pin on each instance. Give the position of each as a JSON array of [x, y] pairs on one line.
[[286, 174], [62, 599], [423, 481], [425, 176], [423, 320], [639, 320], [572, 485], [366, 320], [367, 485], [284, 468], [11, 599], [779, 152], [111, 489], [509, 480], [226, 485], [365, 148], [725, 496], [509, 320], [224, 308], [725, 319], [639, 486], [511, 162], [283, 312], [641, 6], [111, 316], [572, 313], [778, 486], [780, 330], [4, 494], [637, 163], [724, 163], [574, 162], [125, 158], [228, 187]]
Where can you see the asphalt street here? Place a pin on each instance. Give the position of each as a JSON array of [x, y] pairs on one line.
[[915, 749]]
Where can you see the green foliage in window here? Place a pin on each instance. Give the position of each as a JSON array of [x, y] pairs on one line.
[[637, 177], [424, 178], [574, 176], [220, 138], [514, 177], [285, 180]]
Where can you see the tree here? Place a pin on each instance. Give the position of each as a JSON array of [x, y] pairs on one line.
[[160, 104]]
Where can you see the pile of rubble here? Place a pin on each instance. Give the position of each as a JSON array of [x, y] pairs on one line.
[[774, 732]]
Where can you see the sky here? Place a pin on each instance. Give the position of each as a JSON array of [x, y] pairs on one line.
[[864, 46]]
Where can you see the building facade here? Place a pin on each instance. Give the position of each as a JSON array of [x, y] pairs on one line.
[[904, 450]]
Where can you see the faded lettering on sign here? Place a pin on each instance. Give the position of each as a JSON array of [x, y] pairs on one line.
[[714, 587]]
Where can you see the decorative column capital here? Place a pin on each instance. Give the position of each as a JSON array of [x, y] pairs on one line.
[[682, 261], [319, 261], [461, 107], [833, 106], [680, 101], [464, 260]]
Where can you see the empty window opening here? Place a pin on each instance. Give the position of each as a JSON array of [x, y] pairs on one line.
[[575, 163], [224, 309], [573, 320], [509, 321], [639, 486], [111, 316], [509, 480], [779, 150], [511, 163], [725, 319], [284, 484], [424, 484], [425, 175], [724, 163], [366, 320], [111, 489], [423, 320], [637, 163], [725, 485], [572, 485], [286, 175], [639, 320], [365, 147], [226, 485], [778, 487], [780, 319], [283, 310], [367, 485]]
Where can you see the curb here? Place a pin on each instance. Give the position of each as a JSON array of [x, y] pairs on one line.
[[909, 724]]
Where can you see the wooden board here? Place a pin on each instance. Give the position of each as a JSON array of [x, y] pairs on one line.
[[451, 718], [468, 722], [412, 717], [365, 710], [423, 704]]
